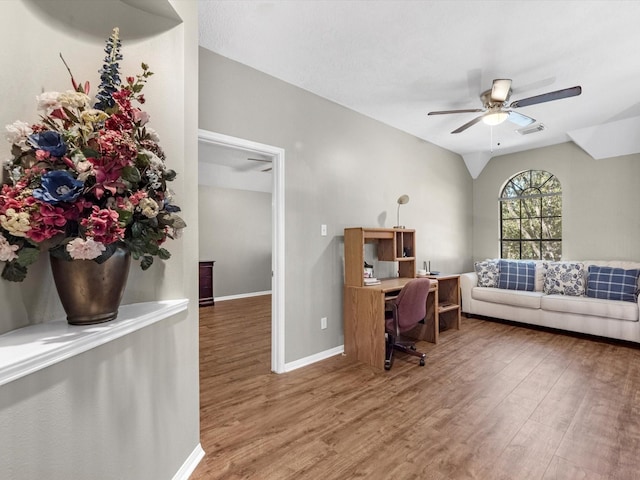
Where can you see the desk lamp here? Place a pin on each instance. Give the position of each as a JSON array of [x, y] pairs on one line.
[[401, 201]]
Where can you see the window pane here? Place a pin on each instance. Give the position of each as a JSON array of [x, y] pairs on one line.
[[511, 250], [539, 177], [531, 228], [530, 250], [552, 251], [552, 185], [530, 207], [552, 228], [510, 229], [510, 208], [552, 206]]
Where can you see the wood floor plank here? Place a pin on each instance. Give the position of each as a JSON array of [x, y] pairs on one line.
[[494, 401]]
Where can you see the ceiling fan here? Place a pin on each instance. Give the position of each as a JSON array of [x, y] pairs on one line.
[[496, 110]]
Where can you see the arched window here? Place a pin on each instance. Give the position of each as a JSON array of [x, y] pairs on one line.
[[531, 217]]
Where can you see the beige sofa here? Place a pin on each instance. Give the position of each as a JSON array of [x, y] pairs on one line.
[[606, 318]]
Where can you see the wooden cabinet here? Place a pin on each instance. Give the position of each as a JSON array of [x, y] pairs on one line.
[[205, 282], [448, 301], [393, 245]]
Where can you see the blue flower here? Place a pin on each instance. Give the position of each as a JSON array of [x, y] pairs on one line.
[[48, 141], [58, 186]]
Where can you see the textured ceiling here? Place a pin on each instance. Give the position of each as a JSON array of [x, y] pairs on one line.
[[397, 60]]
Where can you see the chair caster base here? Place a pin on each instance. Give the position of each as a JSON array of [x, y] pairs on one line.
[[387, 365], [422, 362]]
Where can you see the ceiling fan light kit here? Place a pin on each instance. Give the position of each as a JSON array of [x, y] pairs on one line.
[[496, 110], [495, 118]]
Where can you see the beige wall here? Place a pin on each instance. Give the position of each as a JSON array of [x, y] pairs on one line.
[[235, 231], [130, 408], [342, 169], [600, 200]]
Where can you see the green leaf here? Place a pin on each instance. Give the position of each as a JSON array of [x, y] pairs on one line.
[[146, 262], [131, 174], [164, 254], [90, 153], [14, 272], [137, 229], [124, 216], [27, 256], [170, 175]]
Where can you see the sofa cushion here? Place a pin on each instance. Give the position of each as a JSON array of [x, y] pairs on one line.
[[591, 306], [516, 298], [487, 272], [564, 278], [612, 283], [517, 275], [541, 271]]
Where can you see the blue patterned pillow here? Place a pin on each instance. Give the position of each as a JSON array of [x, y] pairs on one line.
[[487, 272], [612, 283], [517, 275], [564, 278]]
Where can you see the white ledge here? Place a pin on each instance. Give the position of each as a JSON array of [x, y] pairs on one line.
[[29, 349]]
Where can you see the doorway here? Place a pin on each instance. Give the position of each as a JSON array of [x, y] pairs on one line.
[[275, 155]]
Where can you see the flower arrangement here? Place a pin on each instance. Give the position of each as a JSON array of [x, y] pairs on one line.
[[87, 179]]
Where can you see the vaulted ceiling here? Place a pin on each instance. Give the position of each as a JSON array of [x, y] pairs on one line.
[[395, 61]]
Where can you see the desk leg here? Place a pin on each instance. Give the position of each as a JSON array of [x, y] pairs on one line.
[[364, 325]]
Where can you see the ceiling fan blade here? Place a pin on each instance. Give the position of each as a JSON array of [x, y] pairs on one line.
[[446, 112], [501, 89], [547, 97], [468, 124], [520, 119]]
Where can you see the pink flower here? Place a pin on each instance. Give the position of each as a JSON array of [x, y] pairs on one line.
[[103, 226], [140, 117], [42, 155], [80, 249]]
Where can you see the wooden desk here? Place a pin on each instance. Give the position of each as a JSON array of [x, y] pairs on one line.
[[364, 322]]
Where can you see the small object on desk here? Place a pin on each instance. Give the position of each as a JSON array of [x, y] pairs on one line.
[[435, 272], [371, 281]]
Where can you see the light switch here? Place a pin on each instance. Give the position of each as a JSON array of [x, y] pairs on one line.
[[323, 230]]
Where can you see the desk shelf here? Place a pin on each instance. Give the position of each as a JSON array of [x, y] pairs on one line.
[[393, 245]]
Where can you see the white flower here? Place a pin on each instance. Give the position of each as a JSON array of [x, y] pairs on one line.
[[74, 99], [48, 101], [154, 161], [7, 250], [16, 223], [152, 134], [80, 249], [149, 207], [18, 132]]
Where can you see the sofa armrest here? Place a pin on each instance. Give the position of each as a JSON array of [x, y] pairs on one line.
[[467, 282]]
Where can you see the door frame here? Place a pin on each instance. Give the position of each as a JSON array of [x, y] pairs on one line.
[[277, 234]]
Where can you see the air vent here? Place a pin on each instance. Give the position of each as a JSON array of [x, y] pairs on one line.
[[526, 131]]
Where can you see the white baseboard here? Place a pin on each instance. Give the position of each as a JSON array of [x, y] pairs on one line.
[[303, 362], [190, 464], [242, 295]]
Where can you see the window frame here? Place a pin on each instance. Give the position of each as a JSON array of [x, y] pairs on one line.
[[515, 189]]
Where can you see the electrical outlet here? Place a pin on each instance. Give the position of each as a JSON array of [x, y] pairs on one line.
[[323, 230], [323, 323]]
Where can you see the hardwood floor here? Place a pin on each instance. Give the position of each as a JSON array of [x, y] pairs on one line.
[[495, 401]]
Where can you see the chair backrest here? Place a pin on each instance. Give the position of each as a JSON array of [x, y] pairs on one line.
[[411, 304]]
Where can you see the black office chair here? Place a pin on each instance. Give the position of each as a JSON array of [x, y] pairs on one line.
[[406, 311]]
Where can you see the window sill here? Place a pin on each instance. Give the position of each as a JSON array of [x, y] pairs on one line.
[[29, 349]]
